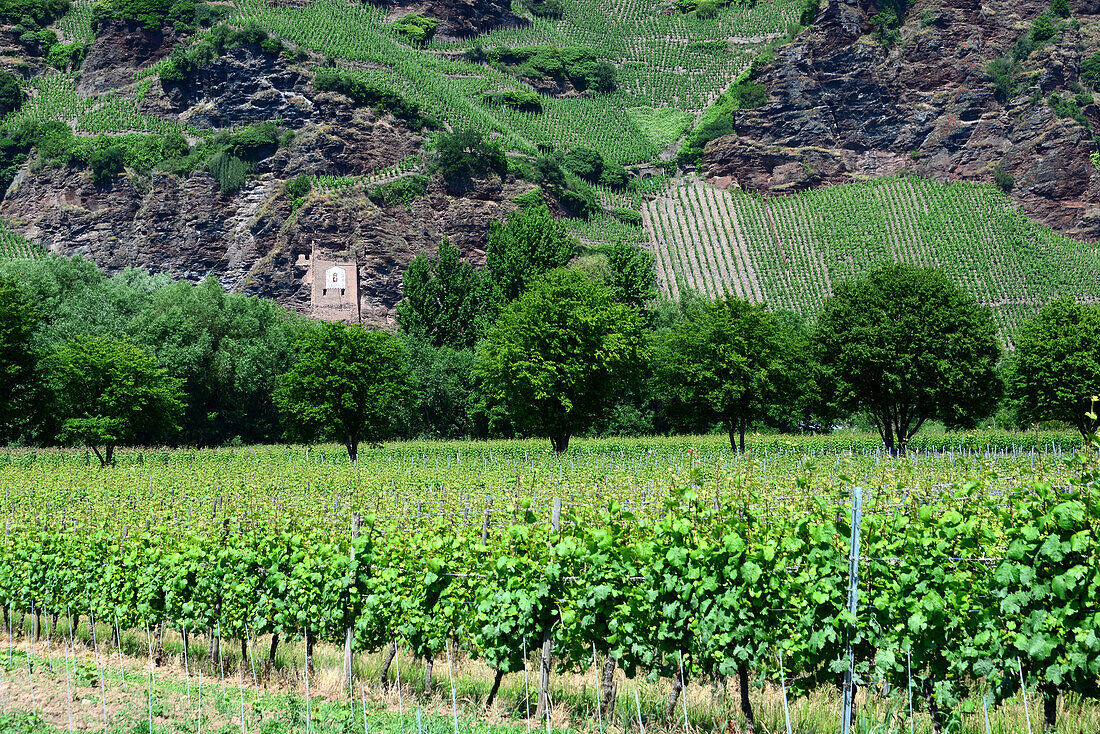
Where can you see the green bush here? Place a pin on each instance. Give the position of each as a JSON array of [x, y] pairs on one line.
[[179, 66], [366, 94], [417, 28], [1001, 72], [519, 99], [467, 154], [40, 12], [718, 120], [401, 191], [706, 8], [1090, 71], [1043, 28], [530, 198], [1004, 180], [809, 12], [107, 163], [66, 55], [298, 188], [584, 162], [545, 8], [613, 176], [580, 65], [627, 216], [1060, 8], [11, 93], [229, 171]]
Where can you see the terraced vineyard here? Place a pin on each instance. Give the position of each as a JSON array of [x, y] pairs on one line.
[[788, 251], [13, 246]]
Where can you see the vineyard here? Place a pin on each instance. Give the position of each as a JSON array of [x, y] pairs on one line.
[[14, 246], [789, 250], [672, 560]]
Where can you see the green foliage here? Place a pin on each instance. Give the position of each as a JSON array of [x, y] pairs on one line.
[[1043, 29], [297, 189], [809, 12], [447, 301], [1090, 71], [18, 321], [520, 99], [579, 65], [1060, 8], [38, 12], [907, 346], [11, 93], [1001, 72], [728, 360], [887, 22], [401, 191], [465, 155], [1054, 373], [152, 15], [545, 8], [633, 280], [718, 120], [1004, 180], [627, 216], [106, 163], [1068, 108], [527, 244], [445, 398], [584, 162], [364, 93], [183, 62], [65, 56], [532, 197], [229, 171], [417, 28], [348, 383], [559, 354], [108, 392]]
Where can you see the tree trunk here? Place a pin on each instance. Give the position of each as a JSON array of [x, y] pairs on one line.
[[933, 709], [353, 449], [310, 639], [390, 654], [673, 697], [1050, 708], [215, 647], [560, 442], [244, 653], [110, 454], [271, 651], [742, 433], [158, 633], [608, 688], [746, 704], [428, 662], [497, 678]]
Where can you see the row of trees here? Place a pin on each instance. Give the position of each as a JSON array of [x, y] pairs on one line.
[[539, 342]]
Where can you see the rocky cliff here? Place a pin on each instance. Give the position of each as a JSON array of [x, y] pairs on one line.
[[253, 240], [844, 106]]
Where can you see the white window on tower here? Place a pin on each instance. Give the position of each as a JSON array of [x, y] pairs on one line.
[[335, 279]]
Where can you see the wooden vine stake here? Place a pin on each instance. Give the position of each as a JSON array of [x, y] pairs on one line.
[[547, 640]]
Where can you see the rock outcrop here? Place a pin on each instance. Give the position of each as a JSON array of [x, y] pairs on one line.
[[253, 240], [842, 106]]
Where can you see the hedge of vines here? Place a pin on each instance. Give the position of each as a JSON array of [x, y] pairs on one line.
[[966, 585]]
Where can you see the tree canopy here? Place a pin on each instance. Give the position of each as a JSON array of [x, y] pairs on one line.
[[728, 360], [349, 384], [560, 354], [906, 345], [1055, 372], [18, 320], [529, 243], [109, 392], [446, 299]]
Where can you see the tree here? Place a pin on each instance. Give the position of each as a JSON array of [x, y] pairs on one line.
[[349, 383], [529, 243], [109, 392], [446, 299], [907, 346], [727, 360], [560, 354], [1055, 372], [11, 94], [466, 155], [633, 279], [18, 320]]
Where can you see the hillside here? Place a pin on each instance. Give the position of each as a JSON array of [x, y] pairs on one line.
[[789, 250], [251, 140]]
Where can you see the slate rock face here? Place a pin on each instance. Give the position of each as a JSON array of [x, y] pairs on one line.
[[842, 107], [252, 241]]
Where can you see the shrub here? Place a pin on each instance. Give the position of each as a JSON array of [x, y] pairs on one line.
[[107, 163], [706, 8], [66, 55], [545, 8], [11, 94], [627, 216], [1003, 178], [1043, 28], [38, 12], [579, 64], [1090, 71], [530, 198], [809, 12], [718, 120], [366, 94], [519, 99], [466, 155], [579, 198], [1001, 72], [1060, 8], [584, 162], [401, 191], [229, 171], [417, 28], [613, 176]]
